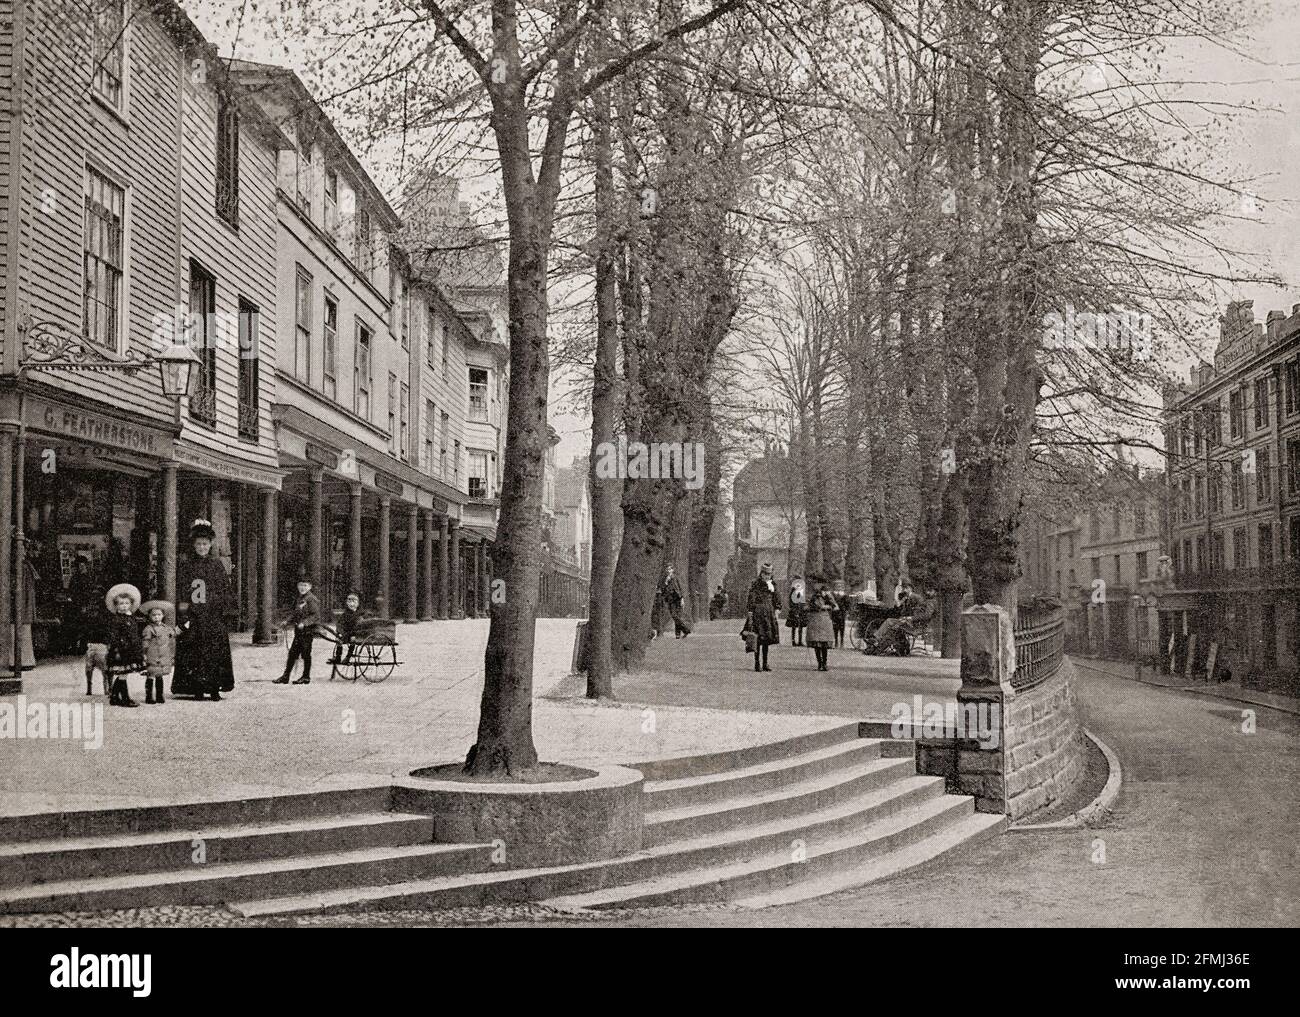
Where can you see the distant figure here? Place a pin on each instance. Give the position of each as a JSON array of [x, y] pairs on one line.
[[718, 605], [821, 631], [837, 612], [671, 592], [762, 608], [798, 617], [306, 615]]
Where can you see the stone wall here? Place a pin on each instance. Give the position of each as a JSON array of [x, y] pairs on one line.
[[1044, 748]]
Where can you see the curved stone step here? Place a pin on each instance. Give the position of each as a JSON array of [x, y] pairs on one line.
[[757, 778], [216, 884], [750, 755], [720, 848], [47, 861], [805, 796], [893, 834]]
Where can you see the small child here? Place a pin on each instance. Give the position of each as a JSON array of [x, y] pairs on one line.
[[125, 654], [347, 625], [305, 616], [159, 641]]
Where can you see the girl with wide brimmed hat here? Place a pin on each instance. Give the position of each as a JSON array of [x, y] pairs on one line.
[[125, 655]]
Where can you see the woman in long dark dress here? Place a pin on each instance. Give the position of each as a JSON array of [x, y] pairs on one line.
[[761, 608], [203, 665]]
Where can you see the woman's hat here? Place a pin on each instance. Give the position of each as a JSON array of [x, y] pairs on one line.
[[202, 528], [168, 609], [766, 569], [122, 590]]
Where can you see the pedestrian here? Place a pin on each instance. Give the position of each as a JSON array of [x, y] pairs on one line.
[[203, 665], [762, 609], [347, 626], [718, 605], [798, 617], [837, 613], [125, 654], [159, 642], [305, 616], [821, 631], [670, 591]]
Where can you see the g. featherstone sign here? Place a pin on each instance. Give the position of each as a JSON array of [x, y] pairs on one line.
[[96, 429]]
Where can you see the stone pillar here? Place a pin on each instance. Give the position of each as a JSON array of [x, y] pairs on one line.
[[264, 631], [354, 540], [444, 564], [315, 529], [412, 564], [457, 605], [988, 661], [429, 609], [167, 540], [383, 598]]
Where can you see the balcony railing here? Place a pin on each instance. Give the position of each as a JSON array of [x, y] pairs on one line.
[[249, 421], [203, 406], [1285, 576]]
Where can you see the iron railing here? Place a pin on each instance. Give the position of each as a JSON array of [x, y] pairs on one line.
[[1040, 643]]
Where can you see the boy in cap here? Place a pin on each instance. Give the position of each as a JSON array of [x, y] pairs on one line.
[[306, 614]]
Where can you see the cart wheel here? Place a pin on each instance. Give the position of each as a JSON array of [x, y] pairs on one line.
[[856, 635], [379, 668]]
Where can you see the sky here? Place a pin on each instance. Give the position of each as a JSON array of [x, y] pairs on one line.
[[1257, 69]]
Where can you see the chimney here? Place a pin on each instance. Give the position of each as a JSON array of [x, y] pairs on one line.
[[1274, 325]]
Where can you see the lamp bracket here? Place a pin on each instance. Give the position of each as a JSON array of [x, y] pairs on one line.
[[51, 346]]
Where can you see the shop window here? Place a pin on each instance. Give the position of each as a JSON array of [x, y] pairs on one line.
[[103, 260], [249, 422], [331, 344], [478, 393], [227, 159], [200, 338], [108, 30]]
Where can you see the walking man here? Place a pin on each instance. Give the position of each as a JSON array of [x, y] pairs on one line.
[[306, 613], [671, 592]]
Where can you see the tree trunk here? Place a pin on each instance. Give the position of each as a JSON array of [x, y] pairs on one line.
[[606, 492]]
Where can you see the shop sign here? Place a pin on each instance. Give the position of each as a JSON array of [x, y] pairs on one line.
[[322, 457], [439, 506], [390, 484], [95, 429], [219, 466]]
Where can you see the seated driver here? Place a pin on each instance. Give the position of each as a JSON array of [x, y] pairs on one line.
[[911, 607]]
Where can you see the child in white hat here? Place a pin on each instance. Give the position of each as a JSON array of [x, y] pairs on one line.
[[125, 654]]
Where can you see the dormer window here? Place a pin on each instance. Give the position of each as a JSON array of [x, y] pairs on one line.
[[108, 28]]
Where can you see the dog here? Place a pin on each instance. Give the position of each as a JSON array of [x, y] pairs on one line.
[[97, 658]]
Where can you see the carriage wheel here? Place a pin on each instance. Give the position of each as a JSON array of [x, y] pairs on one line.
[[380, 665], [856, 636]]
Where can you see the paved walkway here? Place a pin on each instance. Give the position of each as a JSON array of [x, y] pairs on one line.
[[1232, 691], [264, 738]]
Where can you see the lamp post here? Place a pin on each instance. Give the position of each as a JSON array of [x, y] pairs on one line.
[[48, 346]]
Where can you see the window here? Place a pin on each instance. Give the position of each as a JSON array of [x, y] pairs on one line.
[[1188, 562], [1237, 412], [1096, 568], [199, 337], [406, 316], [430, 420], [302, 170], [1214, 432], [331, 201], [1115, 521], [1293, 465], [1073, 581], [1263, 476], [1139, 520], [1185, 432], [1200, 554], [361, 378], [478, 393], [1238, 485], [1185, 506], [406, 421], [1265, 544], [1095, 527], [1198, 429], [1175, 558], [442, 449], [1199, 500], [1119, 578], [478, 475], [392, 413], [443, 332], [1216, 492], [302, 327], [227, 159], [108, 29], [248, 370], [330, 379], [455, 463], [364, 255], [430, 339], [103, 260], [1240, 552], [1261, 403], [1293, 387], [1294, 541], [1217, 556], [1142, 565]]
